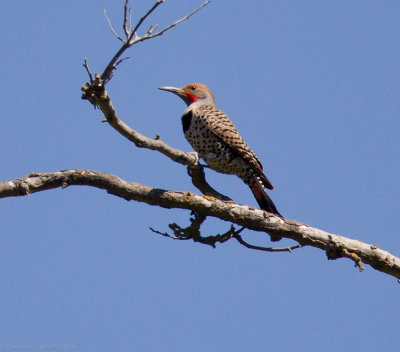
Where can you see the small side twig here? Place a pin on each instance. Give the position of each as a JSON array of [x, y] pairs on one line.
[[127, 16], [193, 232], [86, 66], [354, 257], [121, 60], [166, 234], [265, 249], [190, 232], [111, 27]]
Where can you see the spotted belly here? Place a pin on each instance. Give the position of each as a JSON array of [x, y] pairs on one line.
[[218, 155]]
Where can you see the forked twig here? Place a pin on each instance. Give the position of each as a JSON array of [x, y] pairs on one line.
[[179, 21], [131, 34], [86, 66], [143, 18], [192, 232], [125, 27]]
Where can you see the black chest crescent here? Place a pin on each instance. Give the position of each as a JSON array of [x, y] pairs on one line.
[[187, 120]]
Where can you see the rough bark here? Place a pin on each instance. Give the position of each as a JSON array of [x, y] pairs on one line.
[[335, 246]]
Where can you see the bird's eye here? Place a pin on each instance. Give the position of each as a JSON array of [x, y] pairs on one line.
[[193, 87]]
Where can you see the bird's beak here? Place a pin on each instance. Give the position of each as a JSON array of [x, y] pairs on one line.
[[177, 91]]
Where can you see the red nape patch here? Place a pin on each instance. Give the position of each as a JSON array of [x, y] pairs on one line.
[[191, 97]]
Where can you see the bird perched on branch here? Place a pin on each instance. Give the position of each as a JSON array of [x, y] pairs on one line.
[[215, 138]]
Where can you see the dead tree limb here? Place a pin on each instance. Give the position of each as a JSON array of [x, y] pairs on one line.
[[335, 246]]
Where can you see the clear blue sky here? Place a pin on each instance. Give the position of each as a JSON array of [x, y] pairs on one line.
[[313, 86]]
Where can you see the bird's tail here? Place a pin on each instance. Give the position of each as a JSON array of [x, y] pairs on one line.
[[263, 200]]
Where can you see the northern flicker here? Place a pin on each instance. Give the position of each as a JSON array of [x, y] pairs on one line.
[[215, 138]]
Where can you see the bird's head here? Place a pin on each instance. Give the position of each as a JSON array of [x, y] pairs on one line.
[[193, 93]]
